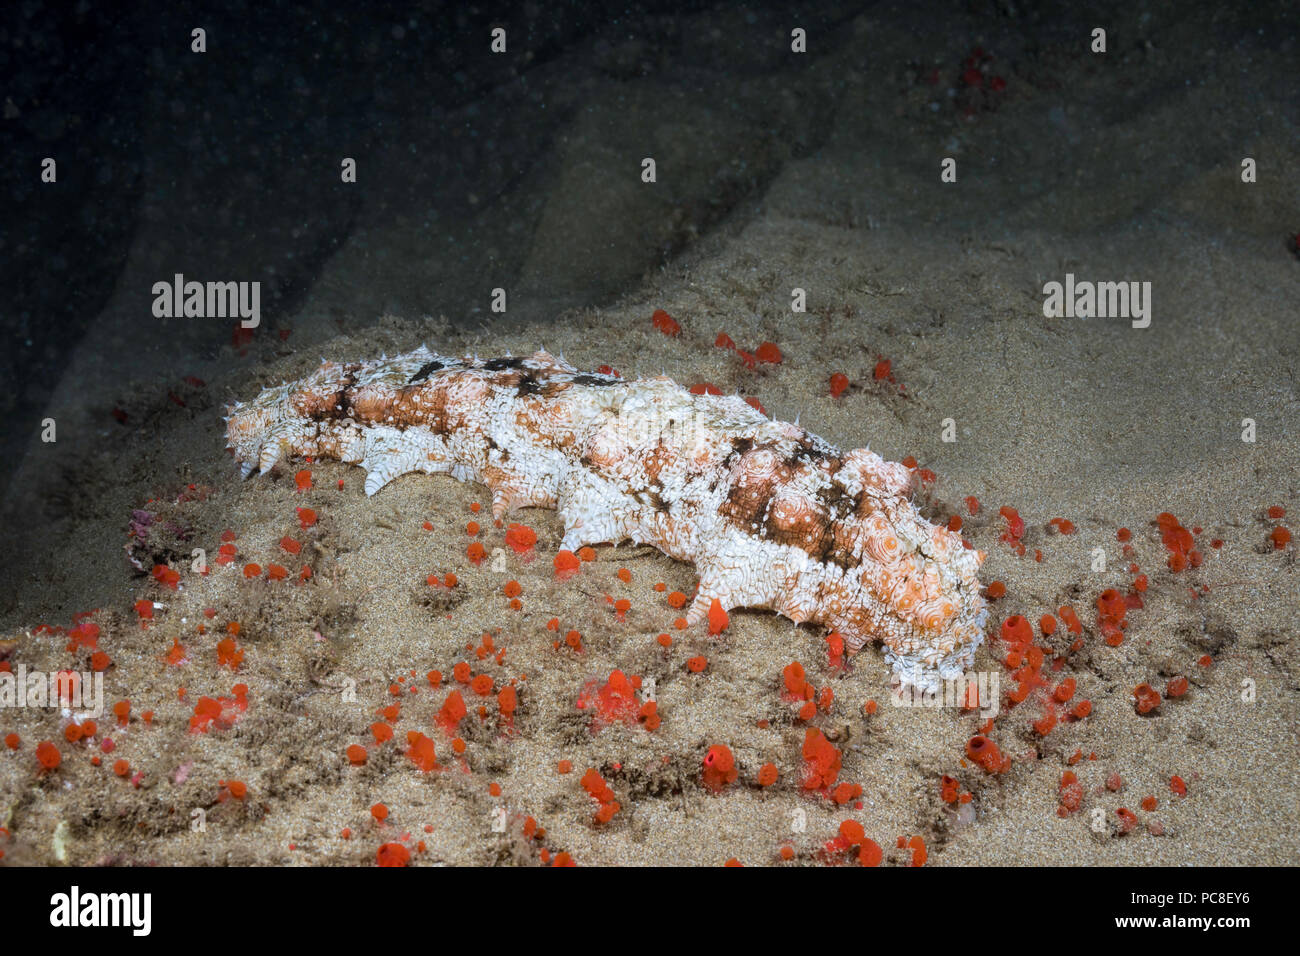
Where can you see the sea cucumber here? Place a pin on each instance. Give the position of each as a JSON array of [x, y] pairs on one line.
[[771, 515]]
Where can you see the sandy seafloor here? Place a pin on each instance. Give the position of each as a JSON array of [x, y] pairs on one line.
[[1122, 169]]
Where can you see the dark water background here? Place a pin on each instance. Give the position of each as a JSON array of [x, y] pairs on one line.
[[238, 149]]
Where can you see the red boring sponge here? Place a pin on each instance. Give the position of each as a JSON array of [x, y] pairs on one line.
[[600, 791], [796, 682], [665, 323], [392, 854], [1016, 630], [452, 712], [521, 538], [1015, 529], [985, 753], [719, 768], [1111, 608], [1146, 698], [567, 565], [1178, 542], [612, 702], [1071, 792], [420, 751], [48, 755], [718, 618], [821, 761]]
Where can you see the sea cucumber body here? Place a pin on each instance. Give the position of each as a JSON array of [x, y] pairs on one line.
[[771, 515]]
